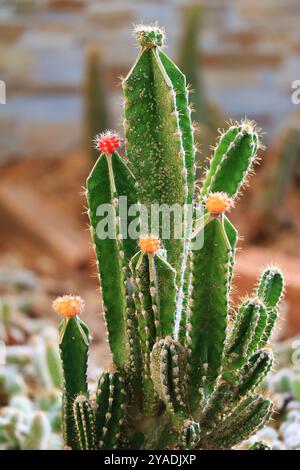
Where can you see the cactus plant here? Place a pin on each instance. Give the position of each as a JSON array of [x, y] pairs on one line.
[[184, 374]]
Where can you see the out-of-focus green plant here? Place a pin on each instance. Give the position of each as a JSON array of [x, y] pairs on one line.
[[207, 117], [30, 413], [95, 101]]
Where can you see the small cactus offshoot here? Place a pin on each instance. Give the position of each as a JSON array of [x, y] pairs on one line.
[[185, 374]]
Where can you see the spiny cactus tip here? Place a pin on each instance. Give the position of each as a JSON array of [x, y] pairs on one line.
[[149, 35], [80, 399], [107, 142], [68, 305], [149, 244], [248, 126], [218, 203]]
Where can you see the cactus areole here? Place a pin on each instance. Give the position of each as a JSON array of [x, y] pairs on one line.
[[185, 375]]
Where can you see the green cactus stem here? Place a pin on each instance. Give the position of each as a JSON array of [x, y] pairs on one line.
[[168, 371], [155, 296], [233, 159], [85, 423], [74, 347], [111, 402], [208, 309], [110, 180], [270, 290], [154, 137], [247, 332], [244, 421], [234, 385]]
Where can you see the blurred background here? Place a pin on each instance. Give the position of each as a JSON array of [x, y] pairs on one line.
[[61, 62]]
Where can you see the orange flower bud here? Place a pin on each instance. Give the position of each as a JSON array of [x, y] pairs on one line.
[[218, 203], [149, 244], [68, 305]]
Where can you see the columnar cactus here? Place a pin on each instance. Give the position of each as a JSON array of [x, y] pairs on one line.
[[186, 368]]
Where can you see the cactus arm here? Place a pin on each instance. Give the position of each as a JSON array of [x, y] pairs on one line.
[[85, 423], [181, 319], [124, 182], [182, 104], [235, 385], [184, 112], [181, 316], [245, 420], [270, 290], [135, 354], [168, 371], [254, 372], [141, 281], [148, 320], [164, 282], [208, 310], [155, 292], [99, 191], [74, 344], [158, 173], [111, 401], [233, 158], [271, 287], [232, 236], [247, 332], [154, 145]]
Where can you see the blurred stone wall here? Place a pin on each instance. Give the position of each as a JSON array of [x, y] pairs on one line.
[[250, 58]]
